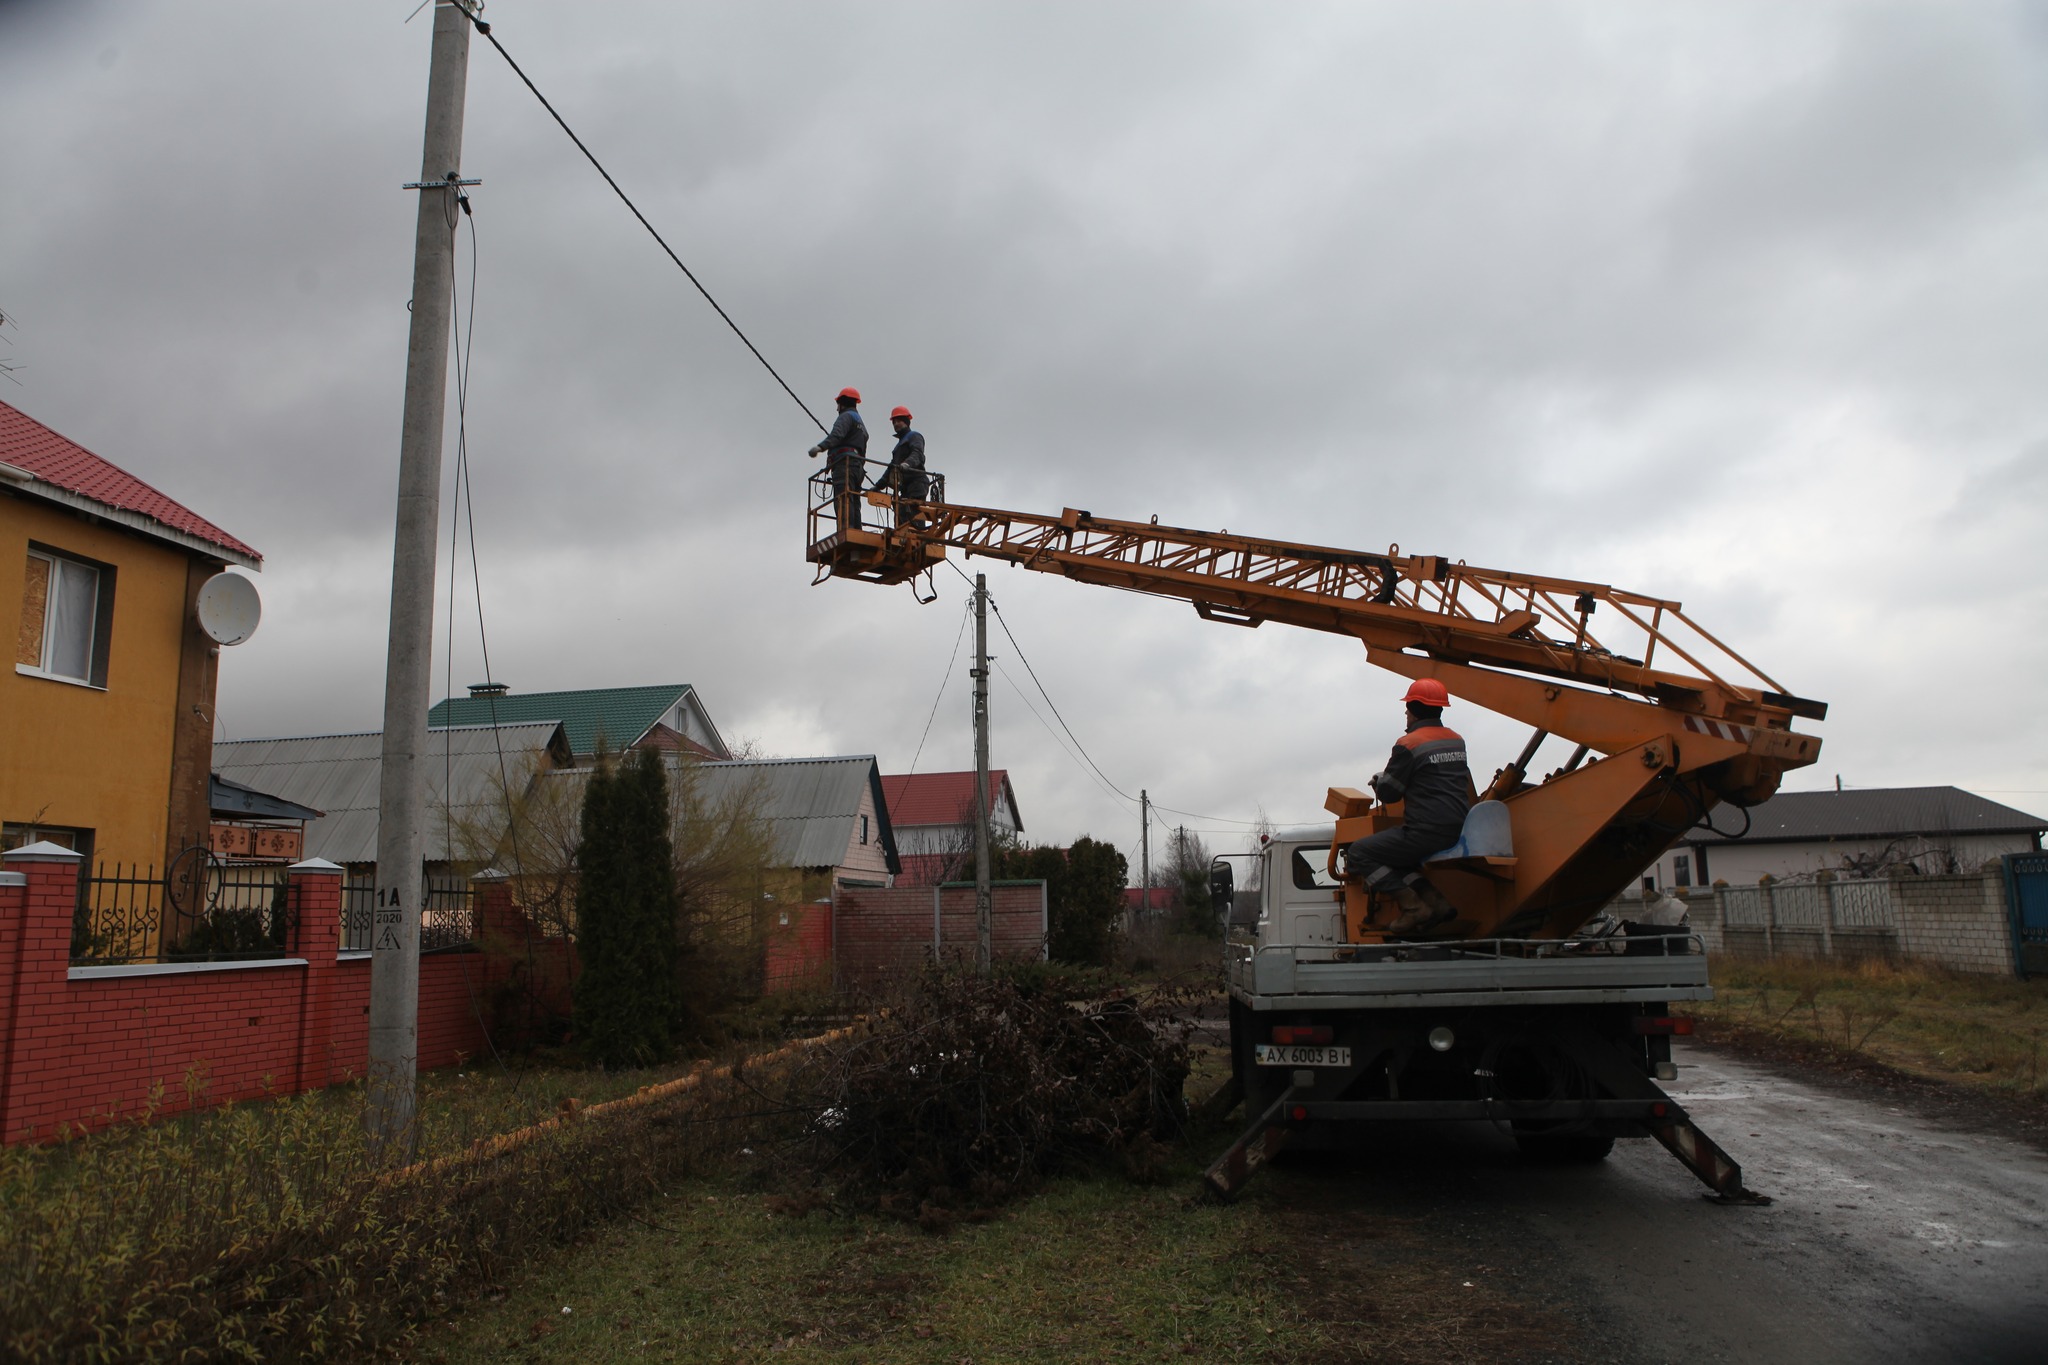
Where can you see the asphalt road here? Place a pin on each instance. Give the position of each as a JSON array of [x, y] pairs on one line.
[[1892, 1237]]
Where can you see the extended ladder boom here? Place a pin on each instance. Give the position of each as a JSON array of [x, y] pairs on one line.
[[1699, 723]]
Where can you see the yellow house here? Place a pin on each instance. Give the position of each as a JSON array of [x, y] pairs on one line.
[[106, 718]]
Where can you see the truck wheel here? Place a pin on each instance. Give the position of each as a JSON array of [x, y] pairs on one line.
[[1559, 1149]]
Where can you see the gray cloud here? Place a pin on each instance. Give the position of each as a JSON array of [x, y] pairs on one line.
[[1737, 304]]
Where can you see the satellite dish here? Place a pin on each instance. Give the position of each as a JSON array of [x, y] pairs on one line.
[[229, 608]]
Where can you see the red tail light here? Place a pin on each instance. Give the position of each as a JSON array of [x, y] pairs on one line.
[[1288, 1035], [1299, 1113], [1664, 1024], [1659, 1110]]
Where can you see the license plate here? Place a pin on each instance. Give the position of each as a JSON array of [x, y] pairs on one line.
[[1272, 1054]]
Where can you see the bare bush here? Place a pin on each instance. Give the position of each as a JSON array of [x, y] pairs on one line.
[[969, 1091]]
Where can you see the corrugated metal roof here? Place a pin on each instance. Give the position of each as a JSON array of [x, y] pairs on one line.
[[234, 799], [62, 463], [339, 774], [812, 805], [1874, 813], [621, 714]]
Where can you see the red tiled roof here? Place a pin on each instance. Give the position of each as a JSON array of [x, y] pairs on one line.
[[942, 798], [27, 444]]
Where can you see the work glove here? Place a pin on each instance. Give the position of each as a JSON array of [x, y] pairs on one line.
[[816, 451]]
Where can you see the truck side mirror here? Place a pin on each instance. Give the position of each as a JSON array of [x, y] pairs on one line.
[[1221, 887]]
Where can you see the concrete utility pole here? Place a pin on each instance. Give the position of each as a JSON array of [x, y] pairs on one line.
[[408, 669], [984, 902], [1144, 851]]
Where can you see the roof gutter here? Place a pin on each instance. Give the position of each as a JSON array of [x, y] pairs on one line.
[[135, 521]]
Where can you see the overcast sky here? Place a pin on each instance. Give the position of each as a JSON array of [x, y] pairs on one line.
[[1743, 305]]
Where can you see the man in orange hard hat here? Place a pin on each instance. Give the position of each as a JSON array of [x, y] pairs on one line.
[[845, 449], [1428, 773], [905, 475]]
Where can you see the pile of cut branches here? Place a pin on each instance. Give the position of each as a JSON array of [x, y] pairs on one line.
[[966, 1092]]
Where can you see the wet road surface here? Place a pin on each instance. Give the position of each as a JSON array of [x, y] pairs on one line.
[[1891, 1237]]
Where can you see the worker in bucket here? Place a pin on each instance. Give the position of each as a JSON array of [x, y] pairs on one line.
[[905, 475], [1428, 772], [845, 448]]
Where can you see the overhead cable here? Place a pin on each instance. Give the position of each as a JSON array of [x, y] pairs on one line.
[[485, 29]]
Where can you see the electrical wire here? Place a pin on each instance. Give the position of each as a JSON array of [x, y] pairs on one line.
[[485, 30], [1063, 746], [944, 681], [1025, 660]]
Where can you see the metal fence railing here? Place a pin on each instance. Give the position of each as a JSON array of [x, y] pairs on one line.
[[447, 912], [826, 508], [201, 910], [207, 910]]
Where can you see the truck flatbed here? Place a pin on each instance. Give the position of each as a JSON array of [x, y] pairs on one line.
[[1284, 976]]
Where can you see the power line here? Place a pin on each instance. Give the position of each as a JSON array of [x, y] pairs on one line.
[[944, 680], [485, 30], [1021, 696]]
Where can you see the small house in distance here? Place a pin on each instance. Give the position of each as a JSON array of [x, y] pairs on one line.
[[667, 716], [933, 816], [1863, 832], [826, 819]]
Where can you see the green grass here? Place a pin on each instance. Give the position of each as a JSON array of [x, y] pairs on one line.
[[1982, 1031], [1093, 1268]]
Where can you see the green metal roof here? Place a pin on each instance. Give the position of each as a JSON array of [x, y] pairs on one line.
[[620, 714]]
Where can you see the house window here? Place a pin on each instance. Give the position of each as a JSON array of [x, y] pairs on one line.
[[66, 618], [1681, 870], [863, 829]]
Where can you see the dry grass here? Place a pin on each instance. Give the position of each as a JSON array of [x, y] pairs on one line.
[[1091, 1269], [1981, 1031]]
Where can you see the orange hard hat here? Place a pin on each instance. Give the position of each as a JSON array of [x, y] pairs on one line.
[[902, 412], [850, 392], [1427, 692]]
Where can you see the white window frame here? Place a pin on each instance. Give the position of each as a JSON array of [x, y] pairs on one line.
[[59, 565]]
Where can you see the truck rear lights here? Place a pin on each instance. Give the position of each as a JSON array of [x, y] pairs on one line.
[[1442, 1039], [1663, 1024], [1299, 1035], [1659, 1110], [1299, 1113]]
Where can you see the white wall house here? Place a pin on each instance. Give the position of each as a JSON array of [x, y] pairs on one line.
[[1857, 832]]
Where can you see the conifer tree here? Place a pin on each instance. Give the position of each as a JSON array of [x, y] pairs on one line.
[[627, 999]]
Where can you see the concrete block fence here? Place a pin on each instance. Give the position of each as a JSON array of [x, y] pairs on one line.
[[1957, 921]]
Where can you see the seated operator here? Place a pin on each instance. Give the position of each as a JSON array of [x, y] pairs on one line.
[[1428, 772]]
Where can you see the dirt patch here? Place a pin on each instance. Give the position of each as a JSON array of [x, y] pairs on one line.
[[1391, 1290], [1860, 1076]]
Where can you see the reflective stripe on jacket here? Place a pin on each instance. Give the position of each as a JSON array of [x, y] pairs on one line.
[[1427, 770]]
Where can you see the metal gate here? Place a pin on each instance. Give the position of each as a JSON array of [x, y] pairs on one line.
[[2026, 897]]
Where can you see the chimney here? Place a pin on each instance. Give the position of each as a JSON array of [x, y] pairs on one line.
[[488, 690]]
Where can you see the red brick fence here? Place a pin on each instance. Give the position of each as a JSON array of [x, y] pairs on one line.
[[83, 1046]]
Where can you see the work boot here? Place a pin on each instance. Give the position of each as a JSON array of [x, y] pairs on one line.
[[1423, 908]]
